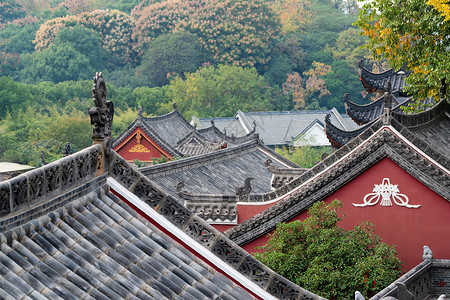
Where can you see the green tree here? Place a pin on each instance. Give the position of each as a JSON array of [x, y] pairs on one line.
[[169, 54], [13, 95], [85, 41], [306, 156], [150, 99], [123, 118], [219, 92], [18, 39], [328, 260], [57, 63], [409, 34]]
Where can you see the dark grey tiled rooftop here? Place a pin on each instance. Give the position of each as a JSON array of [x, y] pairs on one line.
[[438, 137], [229, 125], [103, 250], [171, 127], [279, 127], [218, 173]]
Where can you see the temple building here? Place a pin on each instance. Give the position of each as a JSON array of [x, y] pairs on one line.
[[220, 186], [393, 172], [170, 136], [91, 226], [282, 128]]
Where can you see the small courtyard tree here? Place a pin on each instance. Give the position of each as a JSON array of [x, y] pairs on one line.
[[328, 260]]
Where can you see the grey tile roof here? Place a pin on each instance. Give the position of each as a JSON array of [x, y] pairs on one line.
[[374, 143], [363, 114], [179, 138], [428, 280], [373, 82], [279, 127], [229, 125], [63, 237], [103, 249], [220, 172]]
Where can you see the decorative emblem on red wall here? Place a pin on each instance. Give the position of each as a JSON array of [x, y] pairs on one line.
[[386, 191]]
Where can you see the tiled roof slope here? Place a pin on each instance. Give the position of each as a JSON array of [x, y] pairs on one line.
[[425, 281], [229, 125], [175, 135], [213, 133], [363, 114], [197, 229], [220, 172], [279, 127], [379, 140], [100, 248], [63, 237], [374, 82]]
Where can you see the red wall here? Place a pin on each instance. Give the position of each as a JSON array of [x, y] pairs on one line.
[[408, 228], [151, 148]]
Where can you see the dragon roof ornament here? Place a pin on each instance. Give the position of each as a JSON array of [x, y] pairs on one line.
[[102, 113]]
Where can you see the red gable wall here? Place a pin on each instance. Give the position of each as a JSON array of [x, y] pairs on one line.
[[408, 228], [130, 149]]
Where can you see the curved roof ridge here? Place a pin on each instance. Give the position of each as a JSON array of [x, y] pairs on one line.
[[373, 82], [225, 137], [138, 122], [339, 168], [384, 74], [290, 186], [339, 137], [188, 162], [364, 113], [174, 113], [195, 134], [424, 118]]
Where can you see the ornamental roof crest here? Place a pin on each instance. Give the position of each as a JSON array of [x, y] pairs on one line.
[[387, 193]]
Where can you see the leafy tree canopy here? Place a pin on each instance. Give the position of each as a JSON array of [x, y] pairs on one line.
[[234, 32], [219, 92], [410, 34], [13, 95], [60, 62], [328, 260], [114, 27], [170, 54]]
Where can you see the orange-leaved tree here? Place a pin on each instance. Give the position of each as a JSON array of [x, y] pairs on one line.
[[115, 29], [235, 32], [304, 89]]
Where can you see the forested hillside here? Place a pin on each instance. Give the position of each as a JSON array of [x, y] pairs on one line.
[[212, 57]]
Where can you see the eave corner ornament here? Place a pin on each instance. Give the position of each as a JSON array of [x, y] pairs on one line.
[[386, 191], [102, 113]]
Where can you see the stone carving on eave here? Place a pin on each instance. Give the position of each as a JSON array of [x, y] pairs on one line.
[[102, 113], [282, 176], [196, 228]]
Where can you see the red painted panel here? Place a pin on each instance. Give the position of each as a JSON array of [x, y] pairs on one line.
[[245, 211], [145, 150], [408, 228], [222, 227]]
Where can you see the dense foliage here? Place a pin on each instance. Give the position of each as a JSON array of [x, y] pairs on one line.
[[219, 92], [213, 57], [413, 35], [325, 259]]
